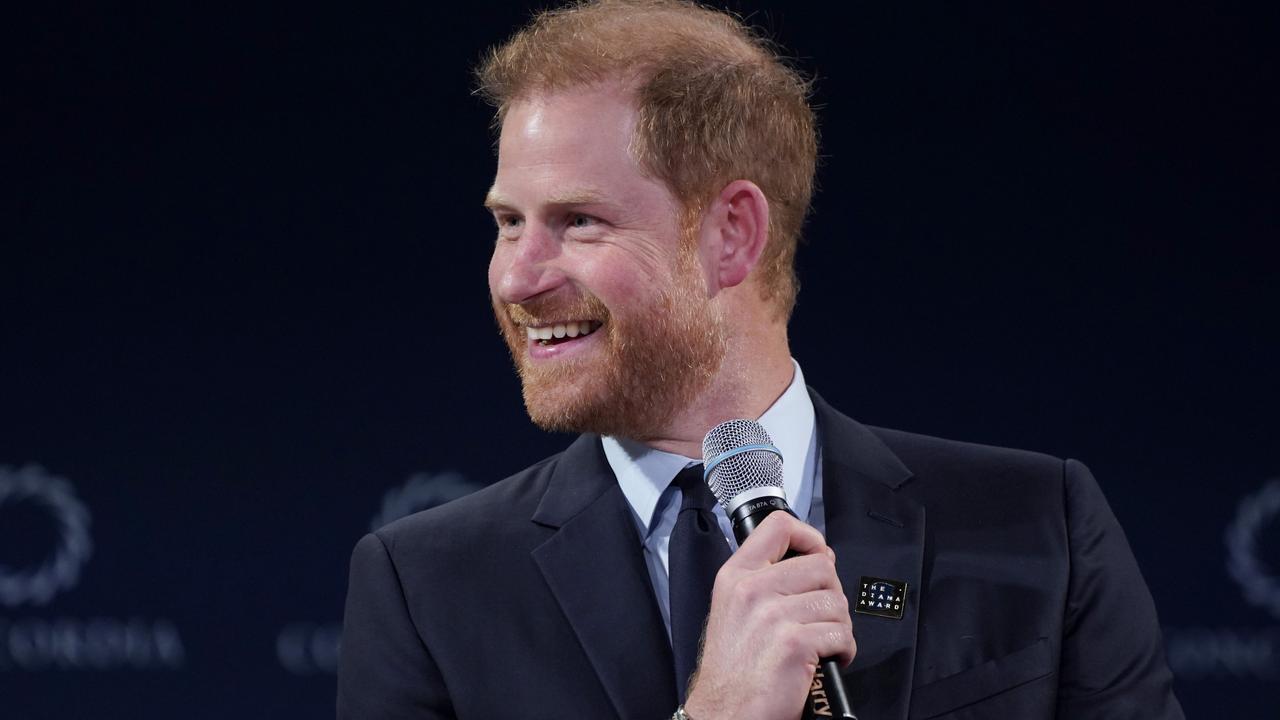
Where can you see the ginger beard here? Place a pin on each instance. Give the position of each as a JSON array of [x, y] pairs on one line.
[[658, 355]]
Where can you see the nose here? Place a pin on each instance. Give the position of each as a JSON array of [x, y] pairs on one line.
[[525, 267]]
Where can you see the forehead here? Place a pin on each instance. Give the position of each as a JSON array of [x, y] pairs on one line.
[[573, 141], [594, 117]]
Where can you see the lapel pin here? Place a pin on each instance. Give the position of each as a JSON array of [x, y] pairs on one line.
[[881, 597]]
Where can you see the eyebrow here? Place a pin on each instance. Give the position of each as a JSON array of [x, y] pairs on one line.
[[581, 196]]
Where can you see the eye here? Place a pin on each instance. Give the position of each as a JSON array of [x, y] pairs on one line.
[[508, 225], [581, 221]]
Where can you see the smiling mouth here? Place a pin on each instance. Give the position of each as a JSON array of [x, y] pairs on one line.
[[555, 333]]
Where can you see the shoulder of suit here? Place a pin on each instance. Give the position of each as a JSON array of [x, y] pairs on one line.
[[931, 457], [973, 488]]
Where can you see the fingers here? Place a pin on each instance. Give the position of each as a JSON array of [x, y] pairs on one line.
[[830, 640], [807, 644], [816, 621], [814, 607], [792, 576], [772, 620], [804, 538], [777, 535]]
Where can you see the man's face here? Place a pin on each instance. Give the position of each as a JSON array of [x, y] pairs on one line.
[[595, 286]]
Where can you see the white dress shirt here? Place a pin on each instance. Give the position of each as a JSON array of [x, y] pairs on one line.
[[645, 476]]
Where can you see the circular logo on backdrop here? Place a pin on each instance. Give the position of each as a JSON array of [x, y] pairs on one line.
[[59, 569], [421, 491], [1258, 517]]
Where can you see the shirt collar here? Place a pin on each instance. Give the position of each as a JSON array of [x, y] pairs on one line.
[[644, 473]]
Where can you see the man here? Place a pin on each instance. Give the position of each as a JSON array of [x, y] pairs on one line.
[[655, 163]]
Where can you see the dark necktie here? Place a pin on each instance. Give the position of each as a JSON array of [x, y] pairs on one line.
[[697, 551]]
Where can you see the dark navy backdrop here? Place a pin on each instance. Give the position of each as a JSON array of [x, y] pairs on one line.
[[244, 313]]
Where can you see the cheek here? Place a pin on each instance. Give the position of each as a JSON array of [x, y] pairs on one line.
[[620, 272], [614, 282]]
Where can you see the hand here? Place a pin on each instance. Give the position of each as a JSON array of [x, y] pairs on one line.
[[771, 621]]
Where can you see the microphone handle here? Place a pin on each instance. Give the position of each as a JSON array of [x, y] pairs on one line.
[[827, 696]]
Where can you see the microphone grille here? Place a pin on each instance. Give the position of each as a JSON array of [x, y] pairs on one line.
[[745, 471]]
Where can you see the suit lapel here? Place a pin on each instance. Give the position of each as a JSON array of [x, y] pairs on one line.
[[595, 567], [878, 533]]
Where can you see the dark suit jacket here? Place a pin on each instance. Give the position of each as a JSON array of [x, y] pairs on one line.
[[531, 599]]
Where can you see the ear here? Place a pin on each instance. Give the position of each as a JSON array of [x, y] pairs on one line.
[[735, 229]]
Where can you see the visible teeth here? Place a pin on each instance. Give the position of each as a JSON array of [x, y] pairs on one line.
[[561, 330]]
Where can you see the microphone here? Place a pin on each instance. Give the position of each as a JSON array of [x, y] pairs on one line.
[[744, 471]]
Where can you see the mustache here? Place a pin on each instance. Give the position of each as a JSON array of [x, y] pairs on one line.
[[540, 311]]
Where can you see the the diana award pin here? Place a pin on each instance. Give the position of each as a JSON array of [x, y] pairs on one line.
[[881, 597]]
